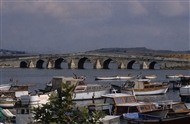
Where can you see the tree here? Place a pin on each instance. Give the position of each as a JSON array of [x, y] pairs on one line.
[[62, 110]]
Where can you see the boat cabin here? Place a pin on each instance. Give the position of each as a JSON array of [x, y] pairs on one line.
[[174, 107], [57, 82], [126, 103], [24, 115], [180, 82], [185, 80], [80, 84]]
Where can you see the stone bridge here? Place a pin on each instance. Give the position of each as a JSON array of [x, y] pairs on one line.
[[98, 61]]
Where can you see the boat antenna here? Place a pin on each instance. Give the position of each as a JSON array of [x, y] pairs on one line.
[[75, 75], [139, 75]]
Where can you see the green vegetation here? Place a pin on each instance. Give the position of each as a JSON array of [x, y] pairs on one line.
[[62, 110]]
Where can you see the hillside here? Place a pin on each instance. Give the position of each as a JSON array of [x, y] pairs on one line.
[[144, 51], [138, 50]]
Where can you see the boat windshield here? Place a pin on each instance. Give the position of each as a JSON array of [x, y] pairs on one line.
[[127, 99], [133, 99], [183, 106], [143, 108], [176, 107], [120, 100], [179, 107]]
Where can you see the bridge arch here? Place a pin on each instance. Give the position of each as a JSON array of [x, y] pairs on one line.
[[153, 64], [39, 63], [106, 63], [23, 64], [82, 61], [58, 62], [131, 63]]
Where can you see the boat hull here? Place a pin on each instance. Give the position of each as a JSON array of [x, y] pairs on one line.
[[173, 120], [113, 77], [146, 92], [150, 76], [174, 76], [106, 78], [7, 102], [5, 86], [35, 100]]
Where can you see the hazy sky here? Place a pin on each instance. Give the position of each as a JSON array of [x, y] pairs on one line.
[[70, 26]]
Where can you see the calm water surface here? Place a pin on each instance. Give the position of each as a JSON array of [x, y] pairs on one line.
[[41, 76]]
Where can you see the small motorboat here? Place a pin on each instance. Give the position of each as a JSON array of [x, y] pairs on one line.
[[174, 76], [150, 76], [177, 113], [143, 87], [127, 103], [116, 77], [105, 77]]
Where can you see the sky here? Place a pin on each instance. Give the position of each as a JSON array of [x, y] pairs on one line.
[[72, 26]]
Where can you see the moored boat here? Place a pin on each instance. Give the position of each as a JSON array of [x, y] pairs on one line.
[[8, 98], [174, 76], [177, 113], [6, 117], [136, 118], [82, 91], [150, 76], [105, 77], [184, 91], [34, 100], [7, 102], [127, 103], [174, 107], [143, 87], [116, 77], [5, 86]]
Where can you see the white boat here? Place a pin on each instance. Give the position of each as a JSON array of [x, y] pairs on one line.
[[143, 87], [8, 98], [83, 90], [90, 91], [105, 77], [116, 77], [125, 77], [34, 100], [5, 86], [150, 76], [184, 91], [174, 76], [175, 113], [110, 119], [7, 102], [7, 113]]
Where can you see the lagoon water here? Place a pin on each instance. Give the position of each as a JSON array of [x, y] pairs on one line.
[[42, 76]]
